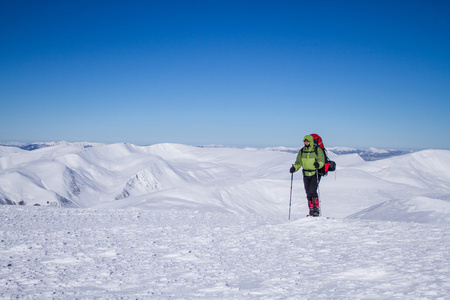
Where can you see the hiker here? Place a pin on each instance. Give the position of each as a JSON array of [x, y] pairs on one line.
[[311, 158]]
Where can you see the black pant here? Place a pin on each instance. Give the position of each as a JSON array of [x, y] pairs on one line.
[[311, 184]]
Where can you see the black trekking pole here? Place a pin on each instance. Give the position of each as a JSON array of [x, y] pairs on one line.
[[290, 198]]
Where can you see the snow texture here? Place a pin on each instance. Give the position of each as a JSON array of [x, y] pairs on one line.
[[175, 221]]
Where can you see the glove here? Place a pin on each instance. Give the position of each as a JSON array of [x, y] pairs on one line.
[[292, 170], [316, 164]]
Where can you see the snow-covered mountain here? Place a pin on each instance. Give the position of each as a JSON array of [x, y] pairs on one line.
[[211, 222], [370, 153], [230, 179], [366, 154], [34, 146]]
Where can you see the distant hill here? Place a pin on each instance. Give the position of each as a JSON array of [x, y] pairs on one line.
[[369, 154], [366, 154], [39, 145]]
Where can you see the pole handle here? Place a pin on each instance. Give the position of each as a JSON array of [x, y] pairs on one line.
[[290, 198]]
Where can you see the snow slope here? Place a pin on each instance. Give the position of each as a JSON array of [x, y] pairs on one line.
[[124, 175], [176, 221]]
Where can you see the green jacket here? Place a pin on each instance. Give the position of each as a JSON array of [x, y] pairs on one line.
[[307, 157]]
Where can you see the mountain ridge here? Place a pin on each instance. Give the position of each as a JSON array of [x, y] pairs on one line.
[[367, 154]]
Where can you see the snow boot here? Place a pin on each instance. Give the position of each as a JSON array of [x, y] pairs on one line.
[[311, 206], [316, 208]]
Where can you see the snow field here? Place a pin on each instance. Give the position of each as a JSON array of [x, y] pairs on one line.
[[109, 254], [184, 222]]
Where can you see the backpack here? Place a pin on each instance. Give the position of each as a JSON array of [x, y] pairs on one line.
[[330, 166]]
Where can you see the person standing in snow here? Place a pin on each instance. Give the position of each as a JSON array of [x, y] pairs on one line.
[[310, 158]]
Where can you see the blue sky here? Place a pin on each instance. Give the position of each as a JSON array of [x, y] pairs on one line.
[[235, 73]]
